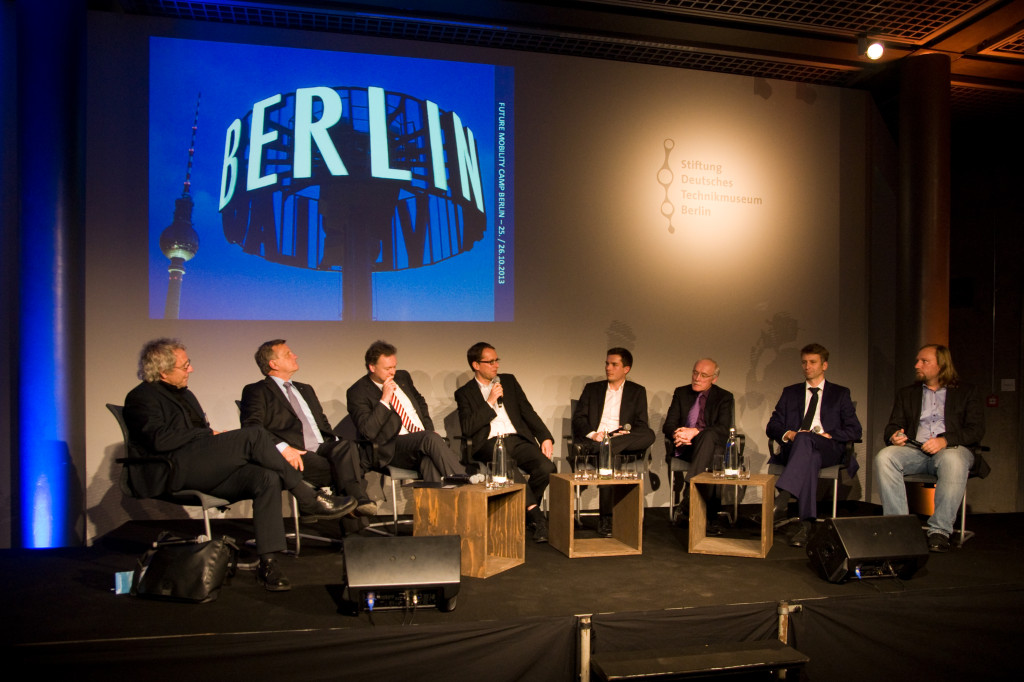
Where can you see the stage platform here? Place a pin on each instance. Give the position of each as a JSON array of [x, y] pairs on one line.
[[959, 616]]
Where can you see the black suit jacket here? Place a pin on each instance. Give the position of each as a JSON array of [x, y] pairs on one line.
[[586, 418], [158, 425], [264, 404], [377, 422], [475, 415], [838, 418], [718, 412], [965, 417]]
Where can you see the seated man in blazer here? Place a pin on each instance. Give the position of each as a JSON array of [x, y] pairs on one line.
[[814, 431], [697, 424], [933, 425], [607, 407], [164, 418], [389, 411], [491, 405], [293, 414]]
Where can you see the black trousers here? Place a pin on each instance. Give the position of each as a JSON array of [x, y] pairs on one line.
[[528, 457], [628, 443], [700, 454], [427, 452], [241, 465], [336, 463]]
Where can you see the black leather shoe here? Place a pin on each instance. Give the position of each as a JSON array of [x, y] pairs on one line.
[[803, 535], [328, 507], [937, 542], [540, 530], [270, 575], [604, 527], [712, 530]]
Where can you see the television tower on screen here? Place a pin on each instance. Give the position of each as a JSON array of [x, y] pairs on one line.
[[179, 241]]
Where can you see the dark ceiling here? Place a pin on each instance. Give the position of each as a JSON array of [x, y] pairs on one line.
[[798, 40]]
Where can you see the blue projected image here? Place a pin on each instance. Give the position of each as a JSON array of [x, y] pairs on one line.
[[296, 184]]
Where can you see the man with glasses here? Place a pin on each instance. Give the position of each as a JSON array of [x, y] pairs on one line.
[[697, 424], [164, 418], [492, 405]]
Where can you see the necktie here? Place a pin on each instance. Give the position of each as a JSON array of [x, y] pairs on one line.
[[309, 440], [812, 407], [695, 416], [396, 405]]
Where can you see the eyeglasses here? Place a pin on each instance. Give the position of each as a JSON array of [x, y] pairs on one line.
[[185, 367], [702, 375], [490, 362]]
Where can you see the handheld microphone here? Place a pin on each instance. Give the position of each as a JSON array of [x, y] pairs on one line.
[[497, 380], [623, 430]]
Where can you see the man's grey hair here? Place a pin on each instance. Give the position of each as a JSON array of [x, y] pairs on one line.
[[157, 357]]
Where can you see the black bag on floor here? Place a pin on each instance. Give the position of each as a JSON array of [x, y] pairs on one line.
[[177, 569]]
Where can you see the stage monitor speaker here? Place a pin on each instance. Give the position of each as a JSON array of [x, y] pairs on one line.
[[868, 547], [403, 572]]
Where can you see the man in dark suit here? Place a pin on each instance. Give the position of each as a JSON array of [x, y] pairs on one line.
[[945, 418], [605, 407], [164, 418], [697, 424], [293, 414], [814, 430], [389, 411], [491, 405]]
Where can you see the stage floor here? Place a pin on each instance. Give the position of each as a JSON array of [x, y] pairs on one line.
[[62, 595], [67, 594]]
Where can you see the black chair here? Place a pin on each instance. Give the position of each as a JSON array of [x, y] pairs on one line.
[[182, 498], [980, 469], [831, 473]]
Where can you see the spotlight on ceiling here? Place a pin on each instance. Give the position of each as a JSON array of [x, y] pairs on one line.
[[872, 49]]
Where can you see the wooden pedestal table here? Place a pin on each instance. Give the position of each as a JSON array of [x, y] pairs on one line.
[[701, 544], [491, 523], [627, 518]]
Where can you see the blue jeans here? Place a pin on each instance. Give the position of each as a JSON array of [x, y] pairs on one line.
[[950, 465]]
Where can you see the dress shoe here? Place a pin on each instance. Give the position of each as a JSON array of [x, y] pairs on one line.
[[270, 575], [326, 506], [604, 527], [937, 542], [713, 530], [540, 530], [802, 535], [368, 508]]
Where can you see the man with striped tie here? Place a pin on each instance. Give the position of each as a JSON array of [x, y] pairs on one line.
[[388, 410]]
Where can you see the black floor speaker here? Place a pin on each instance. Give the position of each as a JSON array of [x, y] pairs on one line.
[[403, 572], [868, 547]]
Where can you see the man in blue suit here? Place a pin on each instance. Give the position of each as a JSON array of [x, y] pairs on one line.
[[814, 421]]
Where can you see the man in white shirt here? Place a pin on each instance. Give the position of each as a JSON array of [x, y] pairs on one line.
[[616, 407], [491, 405]]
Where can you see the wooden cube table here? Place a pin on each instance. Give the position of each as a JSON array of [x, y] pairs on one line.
[[701, 544], [491, 523], [627, 518]]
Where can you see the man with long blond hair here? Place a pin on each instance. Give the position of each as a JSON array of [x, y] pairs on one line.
[[933, 425]]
